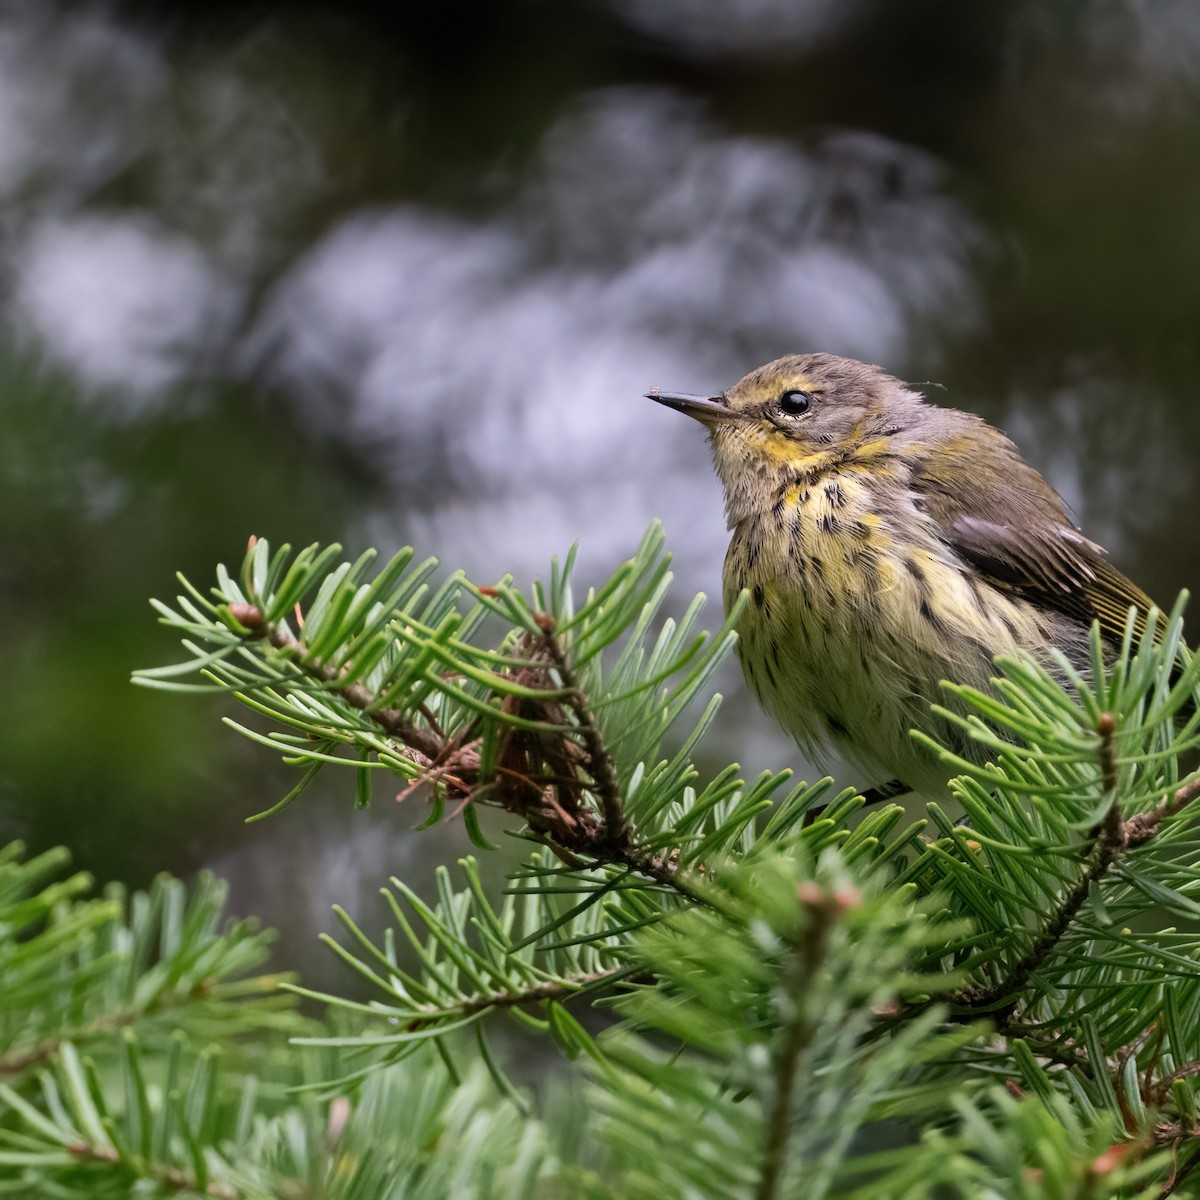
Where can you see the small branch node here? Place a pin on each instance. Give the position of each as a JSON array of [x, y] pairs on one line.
[[249, 617]]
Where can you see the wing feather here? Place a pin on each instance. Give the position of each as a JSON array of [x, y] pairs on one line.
[[1003, 518]]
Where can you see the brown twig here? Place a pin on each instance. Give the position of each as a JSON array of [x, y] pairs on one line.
[[1180, 1174], [1141, 827], [542, 775], [1055, 1049], [390, 720], [823, 909], [535, 994], [1109, 841], [599, 761]]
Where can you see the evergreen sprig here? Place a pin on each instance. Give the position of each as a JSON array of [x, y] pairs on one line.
[[382, 673], [769, 998], [81, 970]]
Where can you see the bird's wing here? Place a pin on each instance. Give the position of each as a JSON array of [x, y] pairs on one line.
[[1056, 566], [1003, 518]]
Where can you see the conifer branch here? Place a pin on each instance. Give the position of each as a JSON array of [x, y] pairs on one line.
[[17, 1061], [540, 777], [822, 908], [1141, 827], [1114, 835], [425, 745], [797, 1036], [171, 1179], [1181, 1174], [535, 993], [562, 726], [599, 761], [1063, 1052]]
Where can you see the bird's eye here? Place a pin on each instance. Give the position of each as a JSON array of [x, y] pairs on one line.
[[793, 404]]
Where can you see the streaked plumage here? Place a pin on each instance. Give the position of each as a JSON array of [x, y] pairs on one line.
[[888, 544]]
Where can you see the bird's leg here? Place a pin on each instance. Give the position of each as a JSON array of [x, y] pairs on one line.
[[885, 791], [871, 795]]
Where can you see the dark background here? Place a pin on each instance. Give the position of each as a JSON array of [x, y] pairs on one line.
[[401, 273]]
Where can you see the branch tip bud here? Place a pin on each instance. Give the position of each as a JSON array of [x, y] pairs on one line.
[[248, 616], [1112, 1158], [827, 903]]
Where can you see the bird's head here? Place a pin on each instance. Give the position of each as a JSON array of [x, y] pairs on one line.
[[795, 416]]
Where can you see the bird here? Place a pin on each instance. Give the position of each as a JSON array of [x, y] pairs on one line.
[[886, 544]]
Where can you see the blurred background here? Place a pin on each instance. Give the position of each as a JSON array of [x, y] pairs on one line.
[[400, 273]]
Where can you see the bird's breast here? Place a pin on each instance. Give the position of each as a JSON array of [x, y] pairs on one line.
[[820, 557], [856, 611]]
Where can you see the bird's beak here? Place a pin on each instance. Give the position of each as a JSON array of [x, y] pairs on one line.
[[706, 411]]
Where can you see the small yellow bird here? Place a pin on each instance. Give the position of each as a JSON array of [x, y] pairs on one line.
[[888, 544]]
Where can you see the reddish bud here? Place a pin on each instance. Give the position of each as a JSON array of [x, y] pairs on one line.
[[1106, 725], [339, 1114], [248, 616], [1112, 1158]]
